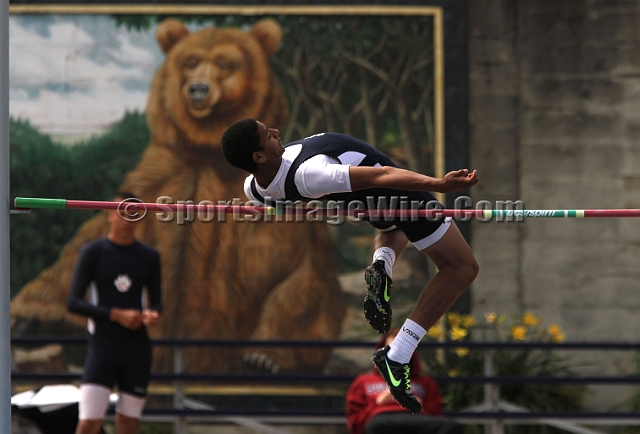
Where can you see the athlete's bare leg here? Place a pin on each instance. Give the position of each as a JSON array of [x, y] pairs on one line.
[[87, 426], [457, 268], [395, 239], [126, 425]]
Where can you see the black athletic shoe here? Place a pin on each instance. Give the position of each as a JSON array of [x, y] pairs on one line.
[[396, 375], [377, 309]]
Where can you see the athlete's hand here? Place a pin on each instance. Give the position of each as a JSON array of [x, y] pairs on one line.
[[384, 398], [127, 318], [458, 180], [150, 317]]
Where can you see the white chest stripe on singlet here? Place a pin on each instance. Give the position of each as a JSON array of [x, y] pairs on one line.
[[318, 176], [351, 158]]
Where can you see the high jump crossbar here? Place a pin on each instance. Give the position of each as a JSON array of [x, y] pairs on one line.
[[133, 206]]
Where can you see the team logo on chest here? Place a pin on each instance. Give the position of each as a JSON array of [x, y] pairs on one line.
[[122, 283]]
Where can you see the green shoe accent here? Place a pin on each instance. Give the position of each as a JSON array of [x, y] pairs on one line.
[[386, 291], [395, 382]]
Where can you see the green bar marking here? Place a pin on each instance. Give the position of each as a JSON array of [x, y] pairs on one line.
[[34, 202]]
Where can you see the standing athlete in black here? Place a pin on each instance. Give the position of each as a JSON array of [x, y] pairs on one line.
[[122, 277], [340, 167]]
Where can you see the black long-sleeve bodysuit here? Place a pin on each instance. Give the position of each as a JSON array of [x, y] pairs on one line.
[[116, 276]]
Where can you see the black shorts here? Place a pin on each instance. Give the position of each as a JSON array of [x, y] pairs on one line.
[[128, 366], [422, 231]]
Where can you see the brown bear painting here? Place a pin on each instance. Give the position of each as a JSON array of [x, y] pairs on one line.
[[221, 279]]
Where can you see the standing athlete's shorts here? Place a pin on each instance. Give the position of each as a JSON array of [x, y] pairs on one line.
[[128, 365]]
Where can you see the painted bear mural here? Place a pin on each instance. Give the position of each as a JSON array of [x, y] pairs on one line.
[[221, 280]]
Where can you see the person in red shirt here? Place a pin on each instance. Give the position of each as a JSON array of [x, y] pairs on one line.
[[371, 409]]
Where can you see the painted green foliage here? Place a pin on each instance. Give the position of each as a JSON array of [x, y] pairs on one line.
[[42, 168]]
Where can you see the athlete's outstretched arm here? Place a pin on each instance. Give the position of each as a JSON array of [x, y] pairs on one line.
[[363, 177]]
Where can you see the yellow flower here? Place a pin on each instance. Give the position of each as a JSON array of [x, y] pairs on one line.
[[519, 332], [436, 332], [453, 372], [530, 319], [454, 319], [554, 329], [491, 317], [555, 333], [468, 321], [461, 352], [458, 333]]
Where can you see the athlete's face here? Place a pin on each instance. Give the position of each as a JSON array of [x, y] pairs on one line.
[[272, 148], [121, 224]]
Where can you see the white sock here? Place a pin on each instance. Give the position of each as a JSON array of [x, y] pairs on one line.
[[406, 342], [388, 256]]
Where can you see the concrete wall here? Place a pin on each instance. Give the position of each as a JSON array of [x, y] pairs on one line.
[[554, 112]]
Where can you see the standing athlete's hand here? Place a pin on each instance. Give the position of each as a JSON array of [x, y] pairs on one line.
[[127, 318], [150, 317]]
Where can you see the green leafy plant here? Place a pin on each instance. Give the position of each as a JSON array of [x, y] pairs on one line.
[[530, 362], [631, 404]]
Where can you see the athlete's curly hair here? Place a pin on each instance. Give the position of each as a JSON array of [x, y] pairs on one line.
[[239, 142]]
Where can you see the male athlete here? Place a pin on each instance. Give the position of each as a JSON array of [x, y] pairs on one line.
[[116, 270], [339, 167]]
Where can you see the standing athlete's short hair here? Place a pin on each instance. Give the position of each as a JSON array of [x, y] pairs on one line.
[[123, 195], [239, 142]]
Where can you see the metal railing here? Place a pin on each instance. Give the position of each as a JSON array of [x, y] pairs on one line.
[[492, 412]]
